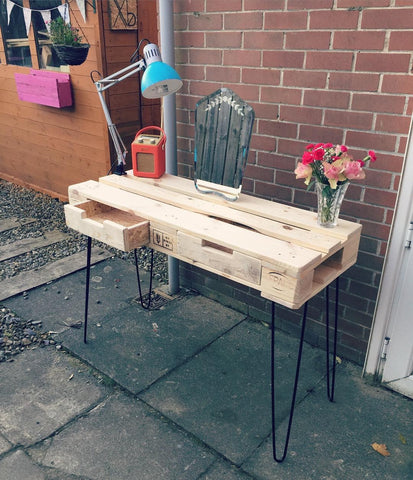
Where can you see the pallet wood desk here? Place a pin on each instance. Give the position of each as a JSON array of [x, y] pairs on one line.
[[276, 249]]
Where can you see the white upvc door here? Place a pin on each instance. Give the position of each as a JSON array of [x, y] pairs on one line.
[[390, 354]]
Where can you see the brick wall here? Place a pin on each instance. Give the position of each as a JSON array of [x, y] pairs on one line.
[[315, 71]]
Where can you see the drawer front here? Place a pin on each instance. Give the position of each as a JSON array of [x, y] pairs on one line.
[[113, 227], [220, 259]]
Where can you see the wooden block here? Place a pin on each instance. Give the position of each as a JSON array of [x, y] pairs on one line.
[[45, 88], [116, 228], [211, 255], [281, 286]]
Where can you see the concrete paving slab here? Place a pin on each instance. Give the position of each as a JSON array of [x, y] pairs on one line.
[[136, 347], [4, 445], [125, 440], [224, 471], [113, 285], [332, 441], [223, 394], [44, 390], [19, 466]]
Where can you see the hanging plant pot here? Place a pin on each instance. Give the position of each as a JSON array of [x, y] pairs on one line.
[[72, 55]]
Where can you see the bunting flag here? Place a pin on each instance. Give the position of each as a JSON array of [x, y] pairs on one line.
[[64, 12], [27, 14], [46, 14], [81, 4], [9, 6]]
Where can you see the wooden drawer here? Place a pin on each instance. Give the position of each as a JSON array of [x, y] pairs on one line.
[[117, 228], [219, 259]]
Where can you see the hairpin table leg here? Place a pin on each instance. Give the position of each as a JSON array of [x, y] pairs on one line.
[[146, 305], [89, 249], [331, 383], [297, 374]]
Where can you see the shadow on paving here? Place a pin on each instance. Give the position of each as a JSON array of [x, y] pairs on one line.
[[190, 398]]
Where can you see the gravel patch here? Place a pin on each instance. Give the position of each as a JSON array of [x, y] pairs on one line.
[[48, 213]]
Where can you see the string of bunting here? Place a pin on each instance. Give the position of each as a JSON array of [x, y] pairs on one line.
[[46, 14]]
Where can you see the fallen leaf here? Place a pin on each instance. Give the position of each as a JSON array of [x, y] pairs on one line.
[[402, 438], [71, 376], [381, 448]]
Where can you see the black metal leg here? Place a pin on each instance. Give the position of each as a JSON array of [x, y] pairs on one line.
[[89, 249], [331, 382], [297, 374], [148, 304]]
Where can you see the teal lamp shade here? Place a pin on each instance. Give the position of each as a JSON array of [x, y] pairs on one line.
[[159, 78]]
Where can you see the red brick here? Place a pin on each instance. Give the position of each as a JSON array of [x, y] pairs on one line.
[[281, 95], [259, 173], [194, 72], [393, 124], [248, 93], [307, 40], [329, 60], [346, 119], [317, 133], [263, 4], [340, 19], [362, 3], [278, 129], [262, 76], [380, 197], [205, 56], [189, 6], [398, 84], [359, 40], [306, 5], [189, 39], [387, 18], [206, 21], [403, 3], [300, 114], [180, 22], [326, 98], [263, 40], [361, 210], [388, 162], [409, 109], [383, 62], [283, 59], [220, 6], [371, 141], [290, 147], [224, 40], [354, 81], [378, 101], [305, 79], [401, 41], [379, 179], [285, 21], [243, 21], [242, 58], [263, 143]]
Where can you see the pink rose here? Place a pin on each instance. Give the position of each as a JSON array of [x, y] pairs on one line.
[[353, 170], [304, 171]]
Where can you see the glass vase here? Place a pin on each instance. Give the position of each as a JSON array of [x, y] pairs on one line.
[[329, 202]]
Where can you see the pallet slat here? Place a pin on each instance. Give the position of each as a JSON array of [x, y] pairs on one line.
[[278, 250]]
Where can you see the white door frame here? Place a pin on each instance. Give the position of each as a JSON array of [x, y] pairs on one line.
[[384, 322]]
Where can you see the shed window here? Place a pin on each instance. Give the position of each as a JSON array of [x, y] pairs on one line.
[[19, 47]]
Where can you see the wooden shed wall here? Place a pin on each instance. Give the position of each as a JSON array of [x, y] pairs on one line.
[[47, 148]]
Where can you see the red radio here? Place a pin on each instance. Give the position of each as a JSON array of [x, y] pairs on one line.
[[148, 153]]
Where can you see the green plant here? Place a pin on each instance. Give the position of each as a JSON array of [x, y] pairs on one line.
[[62, 33]]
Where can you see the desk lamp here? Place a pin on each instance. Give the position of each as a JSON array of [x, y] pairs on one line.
[[158, 80]]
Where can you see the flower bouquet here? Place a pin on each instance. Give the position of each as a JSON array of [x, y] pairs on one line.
[[332, 167]]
